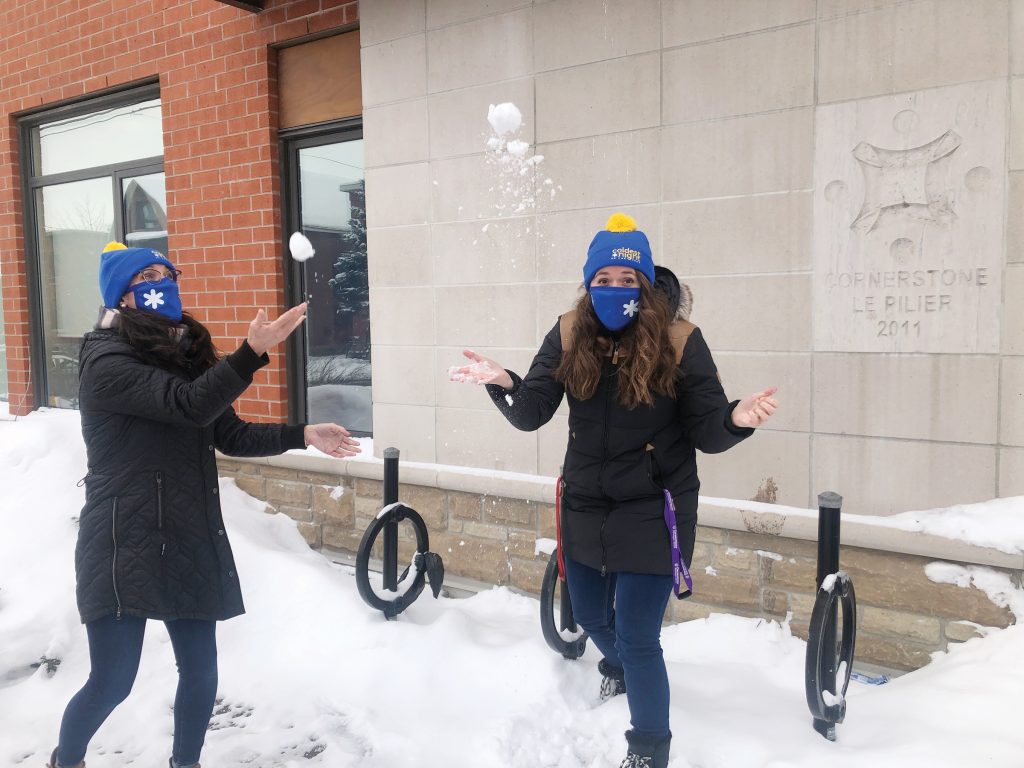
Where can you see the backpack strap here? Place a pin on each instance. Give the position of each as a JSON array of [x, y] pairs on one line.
[[679, 332], [565, 328]]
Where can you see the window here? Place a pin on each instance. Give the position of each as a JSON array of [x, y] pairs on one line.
[[330, 376], [4, 391], [93, 173]]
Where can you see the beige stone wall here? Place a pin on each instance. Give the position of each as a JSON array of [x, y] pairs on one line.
[[719, 125], [760, 572]]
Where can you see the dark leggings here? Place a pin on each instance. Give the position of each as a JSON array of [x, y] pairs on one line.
[[115, 647]]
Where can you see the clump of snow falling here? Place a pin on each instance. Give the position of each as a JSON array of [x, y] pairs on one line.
[[504, 118], [517, 185]]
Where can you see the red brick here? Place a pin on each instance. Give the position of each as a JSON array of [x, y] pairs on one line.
[[220, 145]]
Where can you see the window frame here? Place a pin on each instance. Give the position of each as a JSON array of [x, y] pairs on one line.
[[31, 183], [291, 141]]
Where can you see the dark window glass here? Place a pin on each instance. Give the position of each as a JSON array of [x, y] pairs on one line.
[[110, 187], [74, 222], [3, 354], [332, 214], [145, 212]]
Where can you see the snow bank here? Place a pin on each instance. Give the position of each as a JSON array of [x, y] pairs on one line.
[[310, 676]]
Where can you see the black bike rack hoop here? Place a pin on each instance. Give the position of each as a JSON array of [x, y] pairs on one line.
[[569, 649], [826, 695], [554, 581], [390, 515], [428, 565]]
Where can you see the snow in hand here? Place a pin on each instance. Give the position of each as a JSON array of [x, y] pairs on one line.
[[311, 676], [300, 247], [472, 374]]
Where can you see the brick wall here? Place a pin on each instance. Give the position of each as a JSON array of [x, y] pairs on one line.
[[217, 76], [903, 616]]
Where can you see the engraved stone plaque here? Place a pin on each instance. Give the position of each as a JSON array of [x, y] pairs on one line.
[[909, 207]]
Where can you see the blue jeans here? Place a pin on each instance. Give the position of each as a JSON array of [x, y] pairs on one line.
[[622, 613], [115, 647]]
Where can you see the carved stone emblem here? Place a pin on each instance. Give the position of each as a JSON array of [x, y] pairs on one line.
[[897, 183]]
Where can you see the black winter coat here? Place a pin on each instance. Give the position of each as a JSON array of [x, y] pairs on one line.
[[151, 540], [619, 460]]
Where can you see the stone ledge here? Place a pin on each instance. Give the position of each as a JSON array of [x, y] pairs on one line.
[[792, 523], [471, 480], [753, 517]]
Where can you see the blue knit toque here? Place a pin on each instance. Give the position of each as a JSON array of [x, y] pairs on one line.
[[620, 244], [119, 264]]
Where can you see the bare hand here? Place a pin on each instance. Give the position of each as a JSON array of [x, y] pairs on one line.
[[755, 410], [482, 371], [264, 334], [332, 439]]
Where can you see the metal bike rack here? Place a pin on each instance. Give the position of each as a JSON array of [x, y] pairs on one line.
[[428, 565], [552, 583], [826, 664], [569, 649]]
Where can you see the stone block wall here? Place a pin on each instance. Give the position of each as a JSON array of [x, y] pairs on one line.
[[903, 616], [734, 132]]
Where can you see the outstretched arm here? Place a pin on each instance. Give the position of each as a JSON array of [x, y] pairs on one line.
[[528, 403], [714, 424]]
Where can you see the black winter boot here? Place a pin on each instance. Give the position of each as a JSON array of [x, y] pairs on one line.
[[613, 680], [643, 753], [54, 764], [172, 764]]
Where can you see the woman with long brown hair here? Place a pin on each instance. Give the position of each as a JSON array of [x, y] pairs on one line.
[[644, 396]]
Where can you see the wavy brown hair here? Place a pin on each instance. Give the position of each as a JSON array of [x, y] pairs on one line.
[[648, 366], [155, 338]]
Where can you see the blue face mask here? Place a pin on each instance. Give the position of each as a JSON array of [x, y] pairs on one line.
[[162, 298], [615, 307]]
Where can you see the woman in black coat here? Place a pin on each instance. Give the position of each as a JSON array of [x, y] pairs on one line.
[[644, 396], [155, 399]]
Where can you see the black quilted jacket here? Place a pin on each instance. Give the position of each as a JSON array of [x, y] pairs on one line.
[[151, 538], [618, 461]]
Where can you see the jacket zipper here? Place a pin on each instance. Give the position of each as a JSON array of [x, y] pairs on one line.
[[604, 551], [113, 566], [160, 509], [604, 455]]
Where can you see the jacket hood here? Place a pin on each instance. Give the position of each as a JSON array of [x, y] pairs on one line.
[[679, 295]]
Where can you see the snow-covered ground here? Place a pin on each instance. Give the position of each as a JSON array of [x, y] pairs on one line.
[[311, 676]]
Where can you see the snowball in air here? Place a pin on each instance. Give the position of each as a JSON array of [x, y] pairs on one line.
[[504, 118], [300, 247]]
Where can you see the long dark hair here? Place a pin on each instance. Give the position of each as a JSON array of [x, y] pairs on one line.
[[159, 341], [648, 365]]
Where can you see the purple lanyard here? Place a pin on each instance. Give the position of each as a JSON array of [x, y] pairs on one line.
[[678, 564]]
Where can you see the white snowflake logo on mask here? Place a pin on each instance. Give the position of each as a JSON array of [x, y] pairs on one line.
[[153, 299], [630, 309]]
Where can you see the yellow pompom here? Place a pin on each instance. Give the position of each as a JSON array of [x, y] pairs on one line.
[[113, 245], [620, 222]]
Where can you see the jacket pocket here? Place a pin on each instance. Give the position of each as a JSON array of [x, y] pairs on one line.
[[651, 467]]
